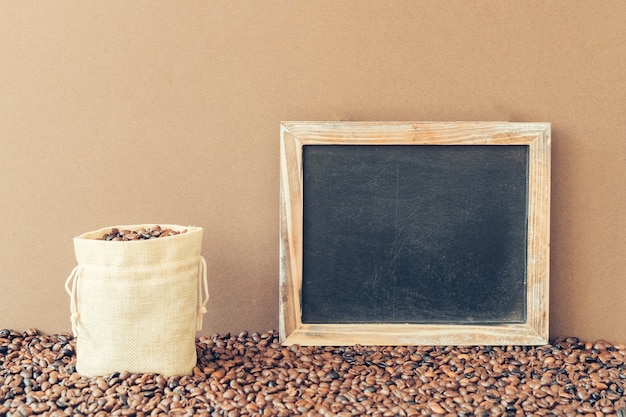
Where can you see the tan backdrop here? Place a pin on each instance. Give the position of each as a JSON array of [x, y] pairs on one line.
[[121, 113]]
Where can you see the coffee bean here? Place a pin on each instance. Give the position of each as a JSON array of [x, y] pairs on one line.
[[252, 374], [141, 234], [332, 375]]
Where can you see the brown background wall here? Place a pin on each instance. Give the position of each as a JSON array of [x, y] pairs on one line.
[[120, 113]]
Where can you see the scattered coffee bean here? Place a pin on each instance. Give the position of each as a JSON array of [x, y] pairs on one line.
[[252, 374]]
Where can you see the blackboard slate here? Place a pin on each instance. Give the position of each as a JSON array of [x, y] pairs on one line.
[[414, 234]]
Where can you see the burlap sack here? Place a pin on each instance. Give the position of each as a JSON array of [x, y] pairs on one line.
[[136, 305]]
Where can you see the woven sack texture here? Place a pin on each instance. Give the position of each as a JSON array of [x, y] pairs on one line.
[[136, 305]]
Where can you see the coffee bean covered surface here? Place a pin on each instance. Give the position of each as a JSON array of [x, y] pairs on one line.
[[252, 374], [140, 234]]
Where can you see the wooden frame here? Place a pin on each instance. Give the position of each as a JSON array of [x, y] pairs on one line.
[[295, 135]]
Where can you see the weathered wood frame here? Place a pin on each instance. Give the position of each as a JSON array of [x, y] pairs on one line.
[[294, 135]]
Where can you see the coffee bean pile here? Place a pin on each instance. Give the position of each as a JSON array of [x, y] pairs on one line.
[[252, 374], [140, 234]]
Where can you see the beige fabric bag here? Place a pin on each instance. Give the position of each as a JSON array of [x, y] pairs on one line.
[[136, 305]]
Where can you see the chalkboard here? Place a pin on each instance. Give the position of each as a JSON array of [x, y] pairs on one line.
[[414, 234], [396, 233]]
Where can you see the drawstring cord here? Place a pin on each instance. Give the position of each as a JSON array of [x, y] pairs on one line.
[[71, 291], [203, 295], [202, 285]]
